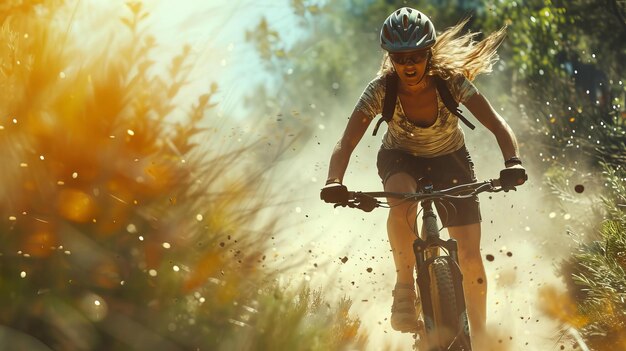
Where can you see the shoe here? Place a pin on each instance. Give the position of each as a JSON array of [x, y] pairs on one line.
[[403, 316]]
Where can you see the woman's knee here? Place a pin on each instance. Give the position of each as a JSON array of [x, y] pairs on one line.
[[400, 209]]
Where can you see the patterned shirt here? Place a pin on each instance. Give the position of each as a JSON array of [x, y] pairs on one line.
[[441, 138]]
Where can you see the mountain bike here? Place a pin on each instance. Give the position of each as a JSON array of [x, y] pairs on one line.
[[442, 313]]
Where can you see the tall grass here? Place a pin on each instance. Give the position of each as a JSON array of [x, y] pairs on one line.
[[597, 272], [594, 305], [120, 226]]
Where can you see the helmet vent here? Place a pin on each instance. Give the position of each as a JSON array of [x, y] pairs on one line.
[[386, 33], [405, 22], [427, 28]]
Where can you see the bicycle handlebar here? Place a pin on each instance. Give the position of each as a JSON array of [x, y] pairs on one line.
[[367, 201]]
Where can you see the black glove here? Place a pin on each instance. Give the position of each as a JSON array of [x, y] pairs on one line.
[[334, 193], [512, 177]]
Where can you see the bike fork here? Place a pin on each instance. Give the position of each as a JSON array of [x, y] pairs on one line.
[[426, 250]]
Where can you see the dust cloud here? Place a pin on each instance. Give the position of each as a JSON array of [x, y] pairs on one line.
[[346, 251]]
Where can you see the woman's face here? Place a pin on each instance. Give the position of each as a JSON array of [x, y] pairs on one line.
[[410, 66]]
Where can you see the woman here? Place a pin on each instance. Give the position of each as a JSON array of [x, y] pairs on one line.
[[424, 139]]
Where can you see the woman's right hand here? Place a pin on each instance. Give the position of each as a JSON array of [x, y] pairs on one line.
[[334, 193]]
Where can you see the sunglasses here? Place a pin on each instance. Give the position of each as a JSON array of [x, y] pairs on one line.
[[414, 57]]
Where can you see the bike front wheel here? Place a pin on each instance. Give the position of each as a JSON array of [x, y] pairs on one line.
[[451, 327]]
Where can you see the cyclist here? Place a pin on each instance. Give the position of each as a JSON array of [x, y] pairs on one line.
[[424, 140]]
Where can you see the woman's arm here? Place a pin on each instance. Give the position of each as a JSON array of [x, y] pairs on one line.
[[478, 105], [357, 125]]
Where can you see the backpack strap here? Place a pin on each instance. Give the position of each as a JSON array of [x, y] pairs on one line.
[[449, 101], [389, 104]]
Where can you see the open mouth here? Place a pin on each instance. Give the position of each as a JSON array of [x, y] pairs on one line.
[[410, 74]]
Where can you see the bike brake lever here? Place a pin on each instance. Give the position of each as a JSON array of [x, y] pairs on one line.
[[367, 206], [366, 203], [346, 204]]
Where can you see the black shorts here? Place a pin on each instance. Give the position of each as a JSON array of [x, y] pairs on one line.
[[444, 172]]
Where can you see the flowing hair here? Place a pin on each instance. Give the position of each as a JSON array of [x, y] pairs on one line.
[[454, 55]]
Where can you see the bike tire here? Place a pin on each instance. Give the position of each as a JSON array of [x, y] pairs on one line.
[[451, 325]]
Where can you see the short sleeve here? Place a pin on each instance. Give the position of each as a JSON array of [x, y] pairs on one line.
[[461, 88], [371, 100]]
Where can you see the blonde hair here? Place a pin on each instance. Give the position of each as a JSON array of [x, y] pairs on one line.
[[454, 55]]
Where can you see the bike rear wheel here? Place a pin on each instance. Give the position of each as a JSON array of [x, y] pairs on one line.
[[450, 318]]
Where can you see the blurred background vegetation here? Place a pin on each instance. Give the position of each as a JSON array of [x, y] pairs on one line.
[[128, 221], [124, 223]]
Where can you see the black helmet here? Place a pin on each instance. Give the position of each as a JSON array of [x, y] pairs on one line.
[[407, 29]]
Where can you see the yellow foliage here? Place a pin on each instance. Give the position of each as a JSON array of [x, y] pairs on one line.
[[104, 193], [206, 267], [106, 274], [75, 205], [159, 176], [229, 292], [40, 243], [92, 127], [560, 306]]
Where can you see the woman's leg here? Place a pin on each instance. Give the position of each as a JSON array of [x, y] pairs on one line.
[[400, 225], [474, 279], [399, 228]]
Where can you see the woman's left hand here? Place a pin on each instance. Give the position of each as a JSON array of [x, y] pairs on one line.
[[513, 176]]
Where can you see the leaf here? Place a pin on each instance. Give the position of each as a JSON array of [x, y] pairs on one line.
[[134, 6], [128, 23], [203, 100]]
